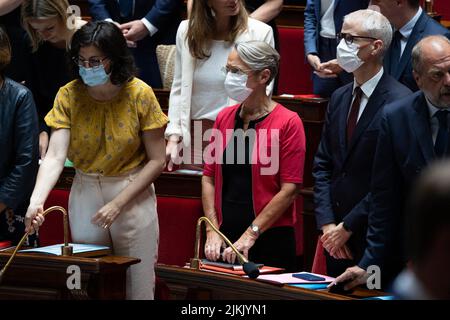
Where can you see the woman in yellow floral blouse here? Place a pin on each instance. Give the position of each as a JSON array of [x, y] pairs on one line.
[[110, 125]]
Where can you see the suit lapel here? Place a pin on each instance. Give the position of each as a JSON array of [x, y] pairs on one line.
[[376, 101], [421, 126], [414, 37]]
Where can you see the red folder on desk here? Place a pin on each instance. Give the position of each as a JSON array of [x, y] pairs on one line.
[[5, 244]]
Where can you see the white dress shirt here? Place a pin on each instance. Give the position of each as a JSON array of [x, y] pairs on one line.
[[208, 91], [434, 122], [407, 29], [327, 29], [367, 88]]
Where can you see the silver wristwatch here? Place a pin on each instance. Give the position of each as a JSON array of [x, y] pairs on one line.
[[255, 229]]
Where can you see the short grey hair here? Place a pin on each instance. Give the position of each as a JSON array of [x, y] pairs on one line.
[[416, 54], [259, 55], [374, 24]]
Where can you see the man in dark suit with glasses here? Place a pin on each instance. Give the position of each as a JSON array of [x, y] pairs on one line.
[[343, 163], [414, 131]]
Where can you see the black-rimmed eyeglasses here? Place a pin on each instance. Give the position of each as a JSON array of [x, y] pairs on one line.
[[92, 62], [349, 38]]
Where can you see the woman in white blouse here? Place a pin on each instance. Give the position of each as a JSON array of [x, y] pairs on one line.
[[198, 93]]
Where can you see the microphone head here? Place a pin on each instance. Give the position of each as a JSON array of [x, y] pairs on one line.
[[251, 270]]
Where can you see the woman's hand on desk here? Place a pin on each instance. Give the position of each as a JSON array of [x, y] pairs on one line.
[[213, 245], [245, 242], [105, 217], [34, 218]]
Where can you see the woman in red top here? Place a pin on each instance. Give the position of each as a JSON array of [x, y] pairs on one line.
[[253, 165]]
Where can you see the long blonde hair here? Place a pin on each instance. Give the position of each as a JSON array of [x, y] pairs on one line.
[[38, 9], [202, 27]]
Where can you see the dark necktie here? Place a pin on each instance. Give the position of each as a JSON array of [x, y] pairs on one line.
[[353, 116], [126, 7], [396, 50], [440, 146]]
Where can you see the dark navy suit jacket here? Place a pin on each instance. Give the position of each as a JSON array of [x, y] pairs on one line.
[[163, 14], [343, 173], [424, 27], [312, 19], [405, 147]]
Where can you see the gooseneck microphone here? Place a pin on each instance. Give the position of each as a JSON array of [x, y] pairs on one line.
[[249, 267], [66, 250]]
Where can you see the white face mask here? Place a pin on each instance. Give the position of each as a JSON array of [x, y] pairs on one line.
[[236, 86], [347, 56]]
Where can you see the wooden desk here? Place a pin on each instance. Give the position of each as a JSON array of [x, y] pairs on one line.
[[191, 284], [34, 276], [446, 23]]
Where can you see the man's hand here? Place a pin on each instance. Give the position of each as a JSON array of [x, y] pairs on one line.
[[342, 253], [334, 240], [134, 30], [314, 61], [328, 227], [245, 242], [355, 275], [329, 69]]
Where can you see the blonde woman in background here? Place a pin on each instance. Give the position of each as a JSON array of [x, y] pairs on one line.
[[47, 22], [198, 93]]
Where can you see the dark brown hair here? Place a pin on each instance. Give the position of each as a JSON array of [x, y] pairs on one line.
[[108, 38], [5, 51]]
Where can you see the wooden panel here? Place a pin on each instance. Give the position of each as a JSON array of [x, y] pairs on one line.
[[34, 276], [291, 16]]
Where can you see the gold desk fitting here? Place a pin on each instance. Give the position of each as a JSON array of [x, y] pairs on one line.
[[249, 267], [66, 250]]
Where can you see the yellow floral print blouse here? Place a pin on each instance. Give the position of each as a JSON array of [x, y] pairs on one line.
[[105, 136]]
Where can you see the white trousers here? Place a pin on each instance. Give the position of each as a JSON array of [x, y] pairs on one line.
[[134, 233]]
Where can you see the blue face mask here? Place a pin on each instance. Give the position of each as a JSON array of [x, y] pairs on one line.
[[93, 76]]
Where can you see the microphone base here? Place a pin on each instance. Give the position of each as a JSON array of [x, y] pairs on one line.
[[67, 250], [195, 263]]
